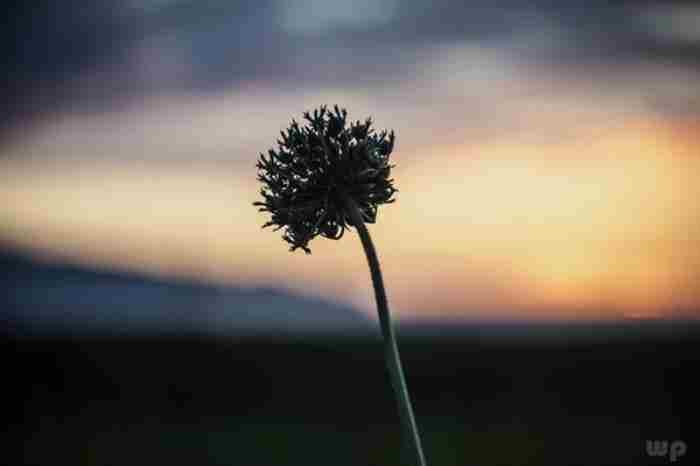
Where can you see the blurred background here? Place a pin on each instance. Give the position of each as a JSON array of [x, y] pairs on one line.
[[542, 258]]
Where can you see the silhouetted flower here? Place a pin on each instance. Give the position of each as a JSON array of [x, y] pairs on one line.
[[315, 167]]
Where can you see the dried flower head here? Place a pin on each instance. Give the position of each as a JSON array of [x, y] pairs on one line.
[[319, 165]]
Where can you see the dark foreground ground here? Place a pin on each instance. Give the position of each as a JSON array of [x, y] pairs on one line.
[[315, 401]]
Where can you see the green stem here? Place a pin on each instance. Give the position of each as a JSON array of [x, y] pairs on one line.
[[391, 349]]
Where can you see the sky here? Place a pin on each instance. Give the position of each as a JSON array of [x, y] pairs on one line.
[[547, 157]]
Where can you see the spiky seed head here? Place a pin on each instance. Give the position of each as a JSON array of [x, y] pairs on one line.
[[315, 165]]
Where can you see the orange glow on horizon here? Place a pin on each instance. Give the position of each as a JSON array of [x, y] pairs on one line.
[[599, 226]]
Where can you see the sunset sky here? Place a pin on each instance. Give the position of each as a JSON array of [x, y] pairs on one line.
[[548, 160]]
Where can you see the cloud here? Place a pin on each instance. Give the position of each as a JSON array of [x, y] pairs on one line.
[[316, 17]]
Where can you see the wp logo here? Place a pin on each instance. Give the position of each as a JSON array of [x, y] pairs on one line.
[[662, 448]]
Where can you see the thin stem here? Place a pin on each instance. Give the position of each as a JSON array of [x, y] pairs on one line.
[[391, 349]]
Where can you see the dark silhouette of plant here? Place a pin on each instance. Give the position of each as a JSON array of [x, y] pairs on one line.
[[325, 177], [316, 167]]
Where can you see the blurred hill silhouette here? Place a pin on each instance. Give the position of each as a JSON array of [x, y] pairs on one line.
[[41, 297]]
